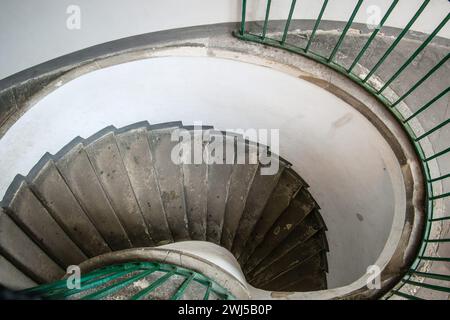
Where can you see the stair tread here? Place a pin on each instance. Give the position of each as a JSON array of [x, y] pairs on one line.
[[54, 193], [82, 180], [170, 178], [135, 150], [308, 276], [287, 187], [301, 233], [13, 278], [292, 258], [195, 174], [107, 163], [219, 174], [24, 253], [258, 195], [26, 209], [298, 209]]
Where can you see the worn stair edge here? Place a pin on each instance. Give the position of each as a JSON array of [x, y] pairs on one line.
[[12, 278], [309, 227], [107, 163], [302, 205], [218, 182], [260, 191], [22, 205], [290, 260], [196, 182], [49, 186], [170, 177], [308, 276], [286, 189], [25, 254], [241, 181], [138, 162], [74, 165]]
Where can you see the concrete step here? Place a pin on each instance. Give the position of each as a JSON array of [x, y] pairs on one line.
[[136, 156], [28, 211], [296, 212], [240, 183], [219, 178], [51, 189], [307, 276], [13, 278], [287, 187], [106, 160], [258, 195], [289, 260], [195, 174], [309, 227], [76, 168], [170, 177], [25, 254]]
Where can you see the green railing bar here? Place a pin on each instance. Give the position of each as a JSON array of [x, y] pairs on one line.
[[91, 284], [266, 19], [437, 154], [433, 130], [444, 195], [62, 284], [397, 40], [316, 25], [439, 178], [373, 35], [405, 295], [344, 32], [425, 77], [427, 286], [436, 276], [437, 240], [244, 8], [117, 286], [208, 291], [288, 22], [182, 288], [427, 105], [415, 53], [434, 258], [152, 286], [439, 219]]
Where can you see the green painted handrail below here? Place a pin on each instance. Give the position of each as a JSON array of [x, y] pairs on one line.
[[110, 280]]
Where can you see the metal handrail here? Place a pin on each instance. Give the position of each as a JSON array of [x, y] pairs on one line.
[[416, 140], [109, 280]]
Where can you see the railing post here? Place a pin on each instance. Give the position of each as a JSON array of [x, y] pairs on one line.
[[344, 32], [316, 25], [266, 19], [288, 22], [373, 35], [397, 40], [244, 8]]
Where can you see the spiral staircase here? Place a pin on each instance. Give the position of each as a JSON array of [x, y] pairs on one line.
[[120, 189], [141, 226]]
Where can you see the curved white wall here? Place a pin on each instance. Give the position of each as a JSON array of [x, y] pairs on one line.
[[32, 32], [351, 169]]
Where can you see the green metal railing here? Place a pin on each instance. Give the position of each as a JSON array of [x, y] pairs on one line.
[[417, 140], [111, 280]]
